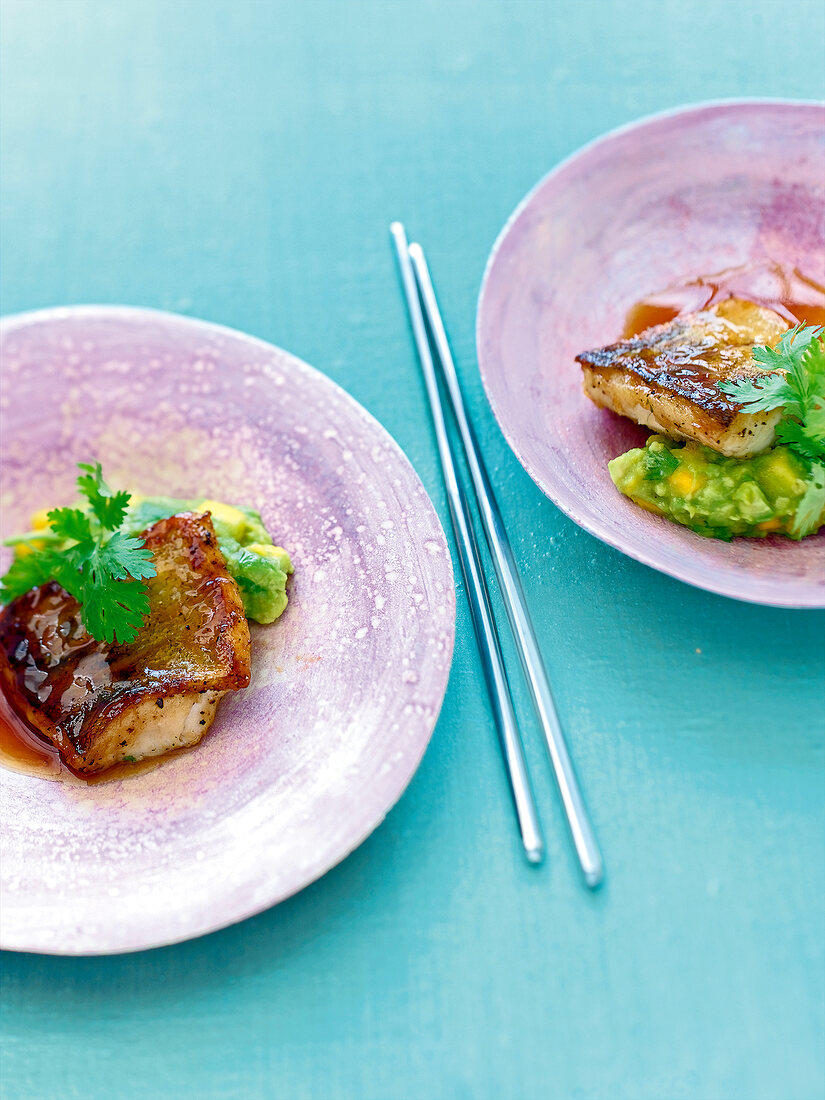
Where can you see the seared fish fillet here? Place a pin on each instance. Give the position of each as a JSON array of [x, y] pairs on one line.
[[101, 704], [665, 378]]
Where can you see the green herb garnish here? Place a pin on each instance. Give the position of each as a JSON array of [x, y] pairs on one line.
[[89, 555], [812, 504], [659, 462], [797, 384]]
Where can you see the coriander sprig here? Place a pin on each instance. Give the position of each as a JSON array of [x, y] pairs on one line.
[[797, 385], [89, 555]]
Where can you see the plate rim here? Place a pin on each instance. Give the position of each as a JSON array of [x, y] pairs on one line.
[[566, 501], [14, 321]]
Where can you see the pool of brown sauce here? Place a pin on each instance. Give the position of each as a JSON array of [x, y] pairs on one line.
[[786, 290], [23, 750]]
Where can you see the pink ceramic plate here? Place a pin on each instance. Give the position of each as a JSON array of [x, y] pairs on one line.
[[299, 768], [679, 195]]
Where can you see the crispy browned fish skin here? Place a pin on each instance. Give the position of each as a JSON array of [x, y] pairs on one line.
[[101, 703], [666, 377]]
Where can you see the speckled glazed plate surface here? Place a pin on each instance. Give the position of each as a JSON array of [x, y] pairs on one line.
[[655, 204], [299, 768]]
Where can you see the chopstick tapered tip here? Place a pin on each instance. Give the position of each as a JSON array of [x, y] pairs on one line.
[[535, 855], [397, 229], [594, 877]]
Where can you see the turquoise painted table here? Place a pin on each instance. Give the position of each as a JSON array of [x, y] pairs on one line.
[[241, 162]]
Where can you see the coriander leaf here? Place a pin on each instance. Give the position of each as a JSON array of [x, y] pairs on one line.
[[105, 579], [814, 360], [796, 436], [815, 422], [70, 523], [806, 374], [659, 463], [108, 507], [67, 568], [125, 556], [797, 386], [111, 510], [762, 394], [790, 347], [812, 504], [795, 362], [25, 573], [91, 483], [111, 609], [114, 613]]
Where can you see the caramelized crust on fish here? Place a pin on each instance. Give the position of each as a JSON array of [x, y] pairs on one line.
[[666, 377], [101, 704]]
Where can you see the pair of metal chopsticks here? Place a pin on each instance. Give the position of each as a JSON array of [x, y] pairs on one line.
[[421, 301]]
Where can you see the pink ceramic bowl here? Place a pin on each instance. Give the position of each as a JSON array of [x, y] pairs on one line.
[[678, 195], [301, 766]]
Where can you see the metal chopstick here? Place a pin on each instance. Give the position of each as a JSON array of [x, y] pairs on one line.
[[578, 819], [483, 622]]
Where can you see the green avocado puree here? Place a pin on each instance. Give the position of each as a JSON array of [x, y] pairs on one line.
[[712, 494], [259, 568]]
